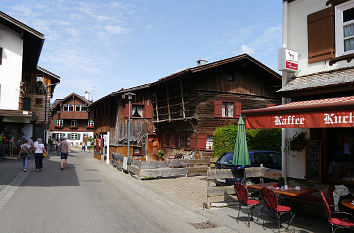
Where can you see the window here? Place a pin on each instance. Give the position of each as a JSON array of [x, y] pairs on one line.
[[71, 107], [83, 108], [90, 123], [65, 107], [60, 122], [230, 77], [188, 141], [344, 14], [209, 142], [181, 141], [227, 109], [137, 111], [73, 122], [58, 135], [74, 136], [26, 105], [38, 102], [136, 151], [77, 107]]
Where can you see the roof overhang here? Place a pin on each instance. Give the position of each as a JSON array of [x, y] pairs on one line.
[[322, 113], [32, 40], [17, 116]]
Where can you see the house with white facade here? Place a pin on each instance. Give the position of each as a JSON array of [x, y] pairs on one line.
[[317, 114], [25, 88]]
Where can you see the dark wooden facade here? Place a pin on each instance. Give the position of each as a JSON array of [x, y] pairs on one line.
[[181, 111], [188, 106]]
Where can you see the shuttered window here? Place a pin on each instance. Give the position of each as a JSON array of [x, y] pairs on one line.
[[320, 29], [344, 29]]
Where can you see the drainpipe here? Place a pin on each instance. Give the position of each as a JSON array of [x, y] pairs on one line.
[[108, 142], [284, 134]]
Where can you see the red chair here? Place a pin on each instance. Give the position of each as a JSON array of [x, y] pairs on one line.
[[337, 219], [271, 203], [242, 198]]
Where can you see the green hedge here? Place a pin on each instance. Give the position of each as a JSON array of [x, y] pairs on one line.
[[257, 139]]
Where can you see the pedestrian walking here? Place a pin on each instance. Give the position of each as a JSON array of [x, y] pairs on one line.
[[38, 154], [64, 148], [83, 148], [88, 145], [25, 153]]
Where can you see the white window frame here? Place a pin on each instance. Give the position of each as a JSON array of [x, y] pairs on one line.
[[66, 106], [209, 143], [74, 136], [71, 106], [78, 106], [227, 109], [339, 33], [90, 123], [73, 123], [60, 122]]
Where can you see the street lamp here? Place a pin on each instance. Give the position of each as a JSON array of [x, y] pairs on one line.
[[129, 96]]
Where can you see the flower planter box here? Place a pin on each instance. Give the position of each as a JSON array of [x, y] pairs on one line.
[[73, 127], [58, 126]]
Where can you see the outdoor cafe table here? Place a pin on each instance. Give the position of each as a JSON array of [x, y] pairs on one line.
[[290, 192], [348, 203]]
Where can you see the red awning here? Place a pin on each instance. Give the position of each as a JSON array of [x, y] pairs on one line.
[[323, 113]]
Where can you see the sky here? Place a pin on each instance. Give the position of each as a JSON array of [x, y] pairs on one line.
[[102, 46]]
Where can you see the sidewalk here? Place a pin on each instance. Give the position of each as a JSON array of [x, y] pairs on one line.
[[190, 192]]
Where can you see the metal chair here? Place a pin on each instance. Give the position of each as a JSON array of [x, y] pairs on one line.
[[243, 200], [271, 203], [337, 219]]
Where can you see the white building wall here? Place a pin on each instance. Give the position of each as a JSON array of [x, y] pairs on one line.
[[297, 36], [71, 141], [11, 68]]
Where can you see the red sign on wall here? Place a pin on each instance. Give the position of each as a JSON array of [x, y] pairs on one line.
[[302, 120]]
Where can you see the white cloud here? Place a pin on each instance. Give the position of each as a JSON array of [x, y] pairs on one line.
[[148, 27], [116, 29], [246, 49]]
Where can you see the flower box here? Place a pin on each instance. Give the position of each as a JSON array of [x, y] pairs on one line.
[[58, 126], [89, 127], [73, 127]]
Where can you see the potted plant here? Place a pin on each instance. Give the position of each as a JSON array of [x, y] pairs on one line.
[[58, 126], [298, 142], [160, 155]]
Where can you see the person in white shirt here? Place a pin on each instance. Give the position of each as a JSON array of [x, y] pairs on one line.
[[38, 154]]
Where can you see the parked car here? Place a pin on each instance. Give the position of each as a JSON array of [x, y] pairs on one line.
[[269, 159]]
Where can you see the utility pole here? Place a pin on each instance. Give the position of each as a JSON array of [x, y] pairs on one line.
[[129, 96]]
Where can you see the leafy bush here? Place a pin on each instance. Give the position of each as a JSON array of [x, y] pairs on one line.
[[257, 139], [224, 139]]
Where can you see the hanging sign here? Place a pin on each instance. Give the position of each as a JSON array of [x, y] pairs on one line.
[[288, 60]]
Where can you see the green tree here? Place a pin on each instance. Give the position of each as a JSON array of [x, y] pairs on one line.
[[224, 139]]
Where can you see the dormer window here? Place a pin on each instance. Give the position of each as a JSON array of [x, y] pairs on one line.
[[344, 26]]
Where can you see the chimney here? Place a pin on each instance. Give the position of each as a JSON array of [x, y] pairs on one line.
[[201, 62], [87, 95]]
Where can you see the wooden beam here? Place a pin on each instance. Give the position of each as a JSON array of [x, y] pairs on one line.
[[156, 107], [168, 103], [183, 109]]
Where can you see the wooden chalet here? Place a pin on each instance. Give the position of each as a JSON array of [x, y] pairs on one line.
[[191, 104], [69, 118], [180, 112]]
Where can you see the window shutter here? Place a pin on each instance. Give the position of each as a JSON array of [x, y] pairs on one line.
[[237, 109], [320, 31], [163, 140], [0, 55], [201, 142], [173, 141], [126, 110], [69, 136], [218, 108], [78, 136], [53, 135], [55, 122], [192, 142], [148, 112]]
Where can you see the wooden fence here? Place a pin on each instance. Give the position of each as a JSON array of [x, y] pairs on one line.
[[168, 168], [221, 174]]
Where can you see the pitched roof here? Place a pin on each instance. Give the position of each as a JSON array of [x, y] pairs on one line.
[[195, 69], [58, 101], [343, 76], [52, 75], [21, 25]]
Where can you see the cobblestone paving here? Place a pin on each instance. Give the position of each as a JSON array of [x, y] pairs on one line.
[[189, 191]]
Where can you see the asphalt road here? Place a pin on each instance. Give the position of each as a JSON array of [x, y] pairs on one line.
[[87, 197]]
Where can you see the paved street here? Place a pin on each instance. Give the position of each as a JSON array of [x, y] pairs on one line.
[[92, 197], [84, 198]]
